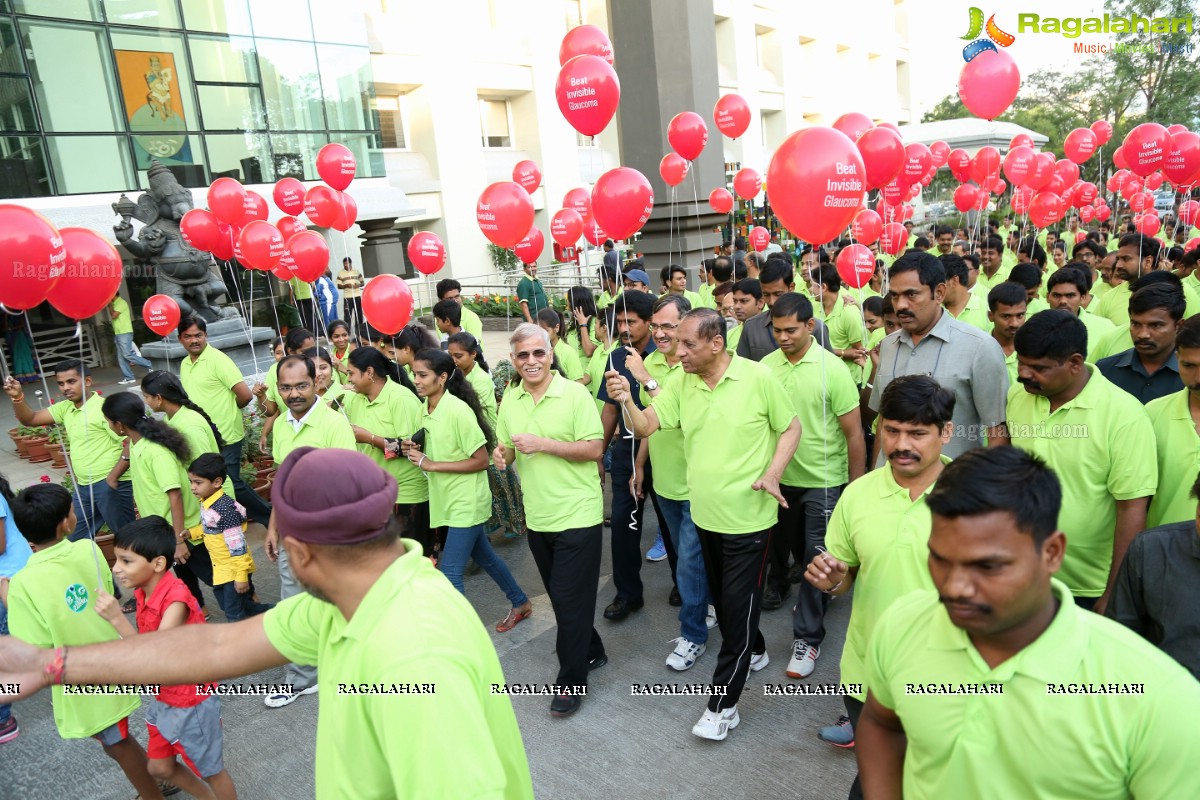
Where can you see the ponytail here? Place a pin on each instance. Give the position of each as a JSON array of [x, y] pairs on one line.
[[168, 386], [457, 385], [129, 410], [469, 343]]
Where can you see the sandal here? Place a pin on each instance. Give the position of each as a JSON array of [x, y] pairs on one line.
[[129, 606], [515, 615]]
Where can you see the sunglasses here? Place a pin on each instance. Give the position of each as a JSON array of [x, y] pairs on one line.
[[538, 354]]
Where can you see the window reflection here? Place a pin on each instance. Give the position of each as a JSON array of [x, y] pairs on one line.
[[23, 167], [150, 13], [76, 93], [220, 16], [243, 156], [291, 85], [85, 164]]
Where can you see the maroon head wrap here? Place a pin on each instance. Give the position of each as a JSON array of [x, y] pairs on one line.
[[332, 496]]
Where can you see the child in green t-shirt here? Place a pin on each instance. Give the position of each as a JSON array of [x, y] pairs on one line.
[[51, 604]]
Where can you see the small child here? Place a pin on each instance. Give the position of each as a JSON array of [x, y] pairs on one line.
[[224, 522], [48, 607], [186, 719]]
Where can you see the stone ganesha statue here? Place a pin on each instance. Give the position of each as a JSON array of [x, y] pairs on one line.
[[183, 273]]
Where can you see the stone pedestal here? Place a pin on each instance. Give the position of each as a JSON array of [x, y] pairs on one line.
[[382, 249], [233, 337]]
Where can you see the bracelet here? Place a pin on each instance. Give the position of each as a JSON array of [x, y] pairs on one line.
[[834, 588], [20, 399], [55, 671], [422, 461]]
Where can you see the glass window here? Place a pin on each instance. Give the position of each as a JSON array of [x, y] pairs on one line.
[[64, 9], [23, 167], [347, 86], [85, 164], [16, 108], [150, 13], [244, 156], [224, 60], [221, 16], [231, 108], [186, 160], [10, 48], [295, 154], [390, 119], [493, 123], [341, 22], [288, 20], [291, 85], [76, 93], [368, 152]]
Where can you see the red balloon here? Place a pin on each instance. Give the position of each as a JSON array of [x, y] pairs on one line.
[[732, 115], [889, 125], [584, 40], [866, 226], [817, 181], [1103, 130], [760, 237], [1119, 159], [1086, 194], [254, 207], [528, 175], [1176, 128], [289, 196], [673, 169], [285, 270], [996, 185], [1141, 201], [348, 215], [1080, 144], [1021, 140], [1182, 163], [1145, 147], [965, 197], [1086, 215], [505, 212], [747, 183], [941, 153], [593, 232], [1045, 209], [161, 314], [893, 239], [894, 193], [289, 227], [622, 202], [579, 201], [687, 134], [323, 206], [92, 277], [1189, 212], [1154, 180], [721, 201], [960, 164], [1042, 173], [1019, 164], [588, 93], [566, 226], [200, 229], [1021, 198], [387, 303], [227, 200], [1067, 170], [529, 248], [853, 124], [989, 83], [33, 256], [985, 164], [310, 255], [223, 249], [883, 156], [917, 161], [426, 252], [336, 165], [856, 265], [1103, 213], [261, 244], [1148, 224]]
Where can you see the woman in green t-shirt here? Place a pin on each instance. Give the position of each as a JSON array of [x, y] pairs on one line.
[[454, 455], [328, 388], [164, 393]]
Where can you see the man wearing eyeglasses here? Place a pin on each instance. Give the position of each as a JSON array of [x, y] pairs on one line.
[[548, 427]]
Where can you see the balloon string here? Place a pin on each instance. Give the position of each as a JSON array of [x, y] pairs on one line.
[[237, 288]]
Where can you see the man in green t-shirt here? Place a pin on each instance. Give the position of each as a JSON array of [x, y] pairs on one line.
[[450, 289], [531, 294], [302, 293], [122, 323], [984, 681], [422, 721]]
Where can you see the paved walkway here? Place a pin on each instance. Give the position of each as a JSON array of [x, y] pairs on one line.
[[616, 746]]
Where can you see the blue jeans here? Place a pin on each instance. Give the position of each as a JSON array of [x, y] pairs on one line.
[[126, 355], [97, 504], [238, 607], [256, 508], [690, 577], [466, 543]]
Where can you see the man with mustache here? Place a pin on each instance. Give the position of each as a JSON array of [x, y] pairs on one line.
[[997, 681], [1150, 369], [1095, 436], [876, 536]]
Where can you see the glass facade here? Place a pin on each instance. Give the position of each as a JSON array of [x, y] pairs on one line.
[[92, 90]]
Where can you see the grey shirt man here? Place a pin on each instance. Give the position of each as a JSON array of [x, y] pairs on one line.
[[758, 338], [963, 359]]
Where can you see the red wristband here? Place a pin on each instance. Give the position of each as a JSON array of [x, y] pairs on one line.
[[56, 669]]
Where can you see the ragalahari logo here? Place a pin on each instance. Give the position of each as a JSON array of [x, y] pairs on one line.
[[995, 36]]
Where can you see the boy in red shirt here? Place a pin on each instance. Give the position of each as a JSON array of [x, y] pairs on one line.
[[186, 719]]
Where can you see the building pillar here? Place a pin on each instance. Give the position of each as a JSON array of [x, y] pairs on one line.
[[382, 249]]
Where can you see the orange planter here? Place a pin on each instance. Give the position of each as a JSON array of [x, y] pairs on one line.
[[37, 449]]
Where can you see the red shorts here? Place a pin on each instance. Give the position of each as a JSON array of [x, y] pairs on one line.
[[193, 732]]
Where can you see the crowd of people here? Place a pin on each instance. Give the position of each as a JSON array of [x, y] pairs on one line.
[[995, 450]]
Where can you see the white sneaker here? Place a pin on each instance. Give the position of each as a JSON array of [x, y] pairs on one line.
[[287, 698], [759, 661], [127, 381], [716, 725], [711, 619], [803, 660], [685, 654]]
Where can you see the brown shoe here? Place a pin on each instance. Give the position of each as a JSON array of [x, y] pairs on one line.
[[515, 615]]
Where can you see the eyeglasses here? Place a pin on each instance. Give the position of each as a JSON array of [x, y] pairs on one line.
[[538, 355], [667, 328], [299, 387]]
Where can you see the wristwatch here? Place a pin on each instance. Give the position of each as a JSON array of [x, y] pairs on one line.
[[651, 385]]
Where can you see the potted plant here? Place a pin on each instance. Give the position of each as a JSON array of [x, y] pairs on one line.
[[104, 540], [55, 447], [15, 435], [35, 445]]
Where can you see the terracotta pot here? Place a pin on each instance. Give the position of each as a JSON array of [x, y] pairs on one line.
[[105, 542], [262, 486], [57, 456], [16, 438], [265, 472], [263, 462], [37, 450], [23, 446]]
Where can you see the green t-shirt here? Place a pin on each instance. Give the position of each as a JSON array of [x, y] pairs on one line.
[[92, 446], [122, 322], [209, 380], [820, 392], [155, 471], [559, 494], [1099, 446], [706, 297], [667, 460], [1114, 305], [395, 413], [320, 427], [568, 360], [975, 312], [605, 299], [300, 289], [577, 346], [196, 431], [459, 500], [845, 327], [732, 337], [747, 406], [1098, 330], [485, 389], [413, 699], [1112, 746], [51, 604], [472, 324], [530, 291], [877, 527], [1178, 459]]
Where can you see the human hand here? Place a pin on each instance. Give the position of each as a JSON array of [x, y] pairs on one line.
[[241, 587], [182, 554], [528, 444], [825, 572], [498, 460], [271, 543], [12, 387], [635, 483], [108, 606], [637, 367], [22, 669], [617, 386], [770, 484]]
